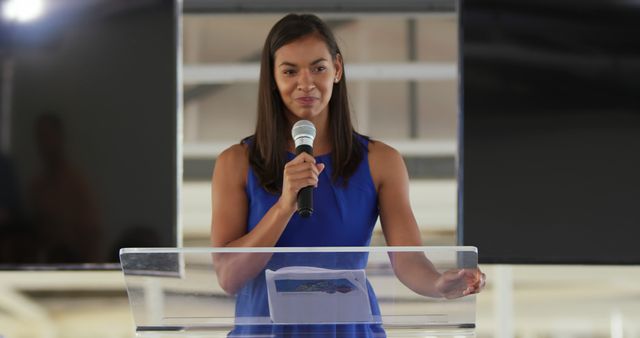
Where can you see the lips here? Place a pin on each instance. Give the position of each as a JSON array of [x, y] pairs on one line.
[[306, 100]]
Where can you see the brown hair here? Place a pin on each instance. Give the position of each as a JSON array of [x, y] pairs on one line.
[[267, 147]]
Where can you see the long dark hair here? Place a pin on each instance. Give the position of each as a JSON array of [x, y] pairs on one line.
[[267, 147]]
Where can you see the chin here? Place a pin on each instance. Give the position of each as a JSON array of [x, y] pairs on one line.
[[305, 114]]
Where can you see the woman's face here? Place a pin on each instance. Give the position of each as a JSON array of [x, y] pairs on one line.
[[305, 72]]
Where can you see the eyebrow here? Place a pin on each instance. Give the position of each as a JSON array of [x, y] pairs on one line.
[[285, 63]]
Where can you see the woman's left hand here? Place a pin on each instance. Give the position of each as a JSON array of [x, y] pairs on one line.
[[460, 282]]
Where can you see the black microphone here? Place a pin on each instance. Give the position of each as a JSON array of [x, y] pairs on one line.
[[303, 133]]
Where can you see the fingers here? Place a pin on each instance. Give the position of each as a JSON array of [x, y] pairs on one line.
[[468, 277], [469, 281], [303, 167], [479, 279], [453, 275], [302, 172], [470, 291], [476, 283], [482, 280], [461, 282], [303, 163], [302, 157], [302, 180]]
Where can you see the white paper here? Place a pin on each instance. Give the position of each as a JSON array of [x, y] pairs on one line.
[[311, 295]]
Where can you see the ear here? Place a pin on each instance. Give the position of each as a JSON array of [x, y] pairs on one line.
[[338, 65]]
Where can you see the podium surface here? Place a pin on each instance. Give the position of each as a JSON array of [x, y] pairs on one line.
[[295, 292]]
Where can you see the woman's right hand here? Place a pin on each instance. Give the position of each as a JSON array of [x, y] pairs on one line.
[[300, 172]]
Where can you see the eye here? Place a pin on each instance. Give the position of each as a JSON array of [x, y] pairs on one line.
[[289, 72], [320, 69]]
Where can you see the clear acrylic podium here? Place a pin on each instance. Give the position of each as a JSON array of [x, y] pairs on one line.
[[294, 292]]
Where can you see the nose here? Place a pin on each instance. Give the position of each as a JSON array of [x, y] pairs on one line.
[[305, 81]]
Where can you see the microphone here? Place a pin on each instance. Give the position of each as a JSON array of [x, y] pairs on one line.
[[303, 133]]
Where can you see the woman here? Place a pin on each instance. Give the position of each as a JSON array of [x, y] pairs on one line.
[[255, 183]]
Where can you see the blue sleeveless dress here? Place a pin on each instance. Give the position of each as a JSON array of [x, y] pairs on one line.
[[342, 217]]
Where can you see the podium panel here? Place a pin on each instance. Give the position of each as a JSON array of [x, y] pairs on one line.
[[291, 292]]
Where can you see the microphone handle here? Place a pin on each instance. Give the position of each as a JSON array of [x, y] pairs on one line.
[[305, 195]]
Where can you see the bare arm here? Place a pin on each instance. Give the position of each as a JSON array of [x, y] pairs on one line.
[[230, 210], [400, 228], [398, 223]]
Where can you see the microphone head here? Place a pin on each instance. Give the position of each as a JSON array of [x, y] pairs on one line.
[[303, 133]]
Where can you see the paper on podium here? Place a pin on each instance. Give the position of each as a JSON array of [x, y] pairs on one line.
[[311, 295]]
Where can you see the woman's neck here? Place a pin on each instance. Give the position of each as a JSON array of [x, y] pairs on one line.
[[322, 142]]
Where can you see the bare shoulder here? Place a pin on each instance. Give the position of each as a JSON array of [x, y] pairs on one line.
[[384, 162], [236, 152], [382, 151], [233, 162]]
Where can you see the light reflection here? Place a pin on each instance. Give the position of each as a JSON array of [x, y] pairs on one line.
[[22, 10]]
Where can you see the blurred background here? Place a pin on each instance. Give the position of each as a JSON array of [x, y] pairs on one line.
[[403, 73]]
